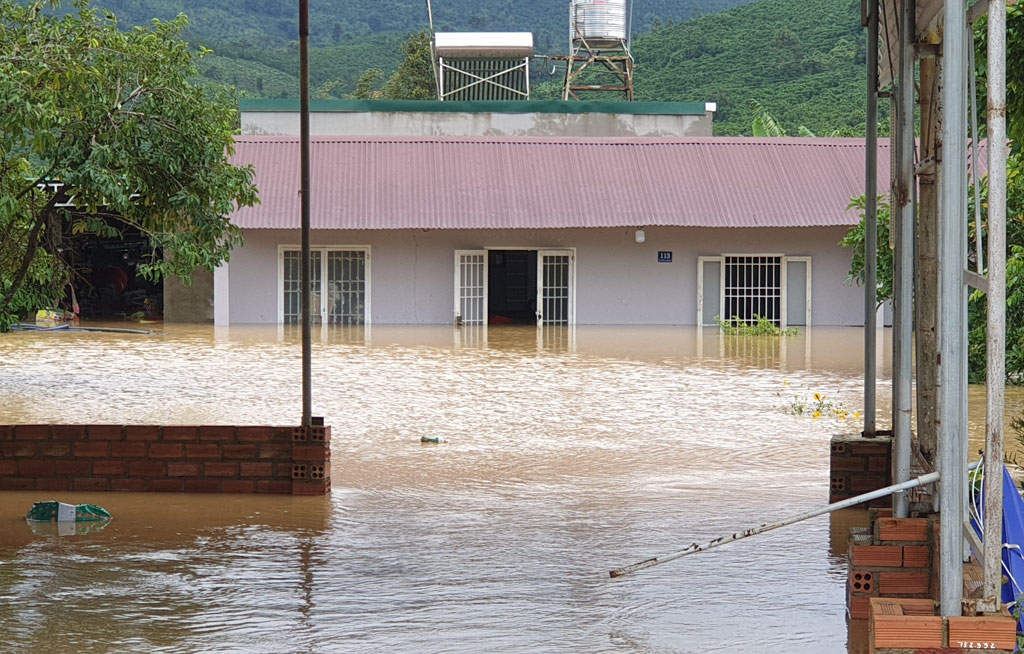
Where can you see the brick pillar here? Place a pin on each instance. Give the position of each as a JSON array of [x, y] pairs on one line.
[[311, 460], [860, 465]]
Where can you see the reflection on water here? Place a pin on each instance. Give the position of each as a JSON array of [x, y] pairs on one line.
[[571, 452]]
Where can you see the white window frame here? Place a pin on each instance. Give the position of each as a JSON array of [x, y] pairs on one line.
[[323, 250], [784, 260], [560, 250]]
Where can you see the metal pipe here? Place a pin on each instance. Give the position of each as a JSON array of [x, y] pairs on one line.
[[952, 252], [902, 227], [304, 196], [871, 225], [996, 341], [979, 259], [929, 478]]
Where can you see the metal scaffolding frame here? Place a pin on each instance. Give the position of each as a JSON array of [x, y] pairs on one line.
[[906, 21]]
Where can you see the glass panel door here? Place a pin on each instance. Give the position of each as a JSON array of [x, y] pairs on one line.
[[346, 287], [470, 287], [554, 287], [292, 278]]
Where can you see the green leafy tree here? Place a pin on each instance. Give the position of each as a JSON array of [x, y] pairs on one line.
[[113, 117], [414, 78]]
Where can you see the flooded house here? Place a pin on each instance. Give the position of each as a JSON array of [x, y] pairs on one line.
[[540, 212]]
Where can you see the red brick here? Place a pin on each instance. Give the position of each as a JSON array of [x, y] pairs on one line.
[[8, 466], [284, 470], [73, 467], [166, 485], [916, 556], [859, 607], [165, 450], [903, 583], [870, 448], [862, 582], [202, 451], [221, 469], [182, 469], [127, 484], [202, 486], [314, 453], [878, 464], [128, 450], [6, 433], [92, 448], [105, 432], [249, 469], [283, 434], [13, 450], [69, 432], [180, 434], [210, 433], [234, 451], [53, 484], [17, 483], [90, 484], [876, 556], [276, 452], [848, 464], [141, 433], [865, 483], [54, 448], [35, 467], [109, 467], [146, 469], [283, 487], [1000, 631], [31, 432], [255, 434], [320, 487], [238, 486], [903, 529]]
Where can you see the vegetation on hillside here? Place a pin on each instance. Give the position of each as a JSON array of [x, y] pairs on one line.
[[271, 23], [803, 60]]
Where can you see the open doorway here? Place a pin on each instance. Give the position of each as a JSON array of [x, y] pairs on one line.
[[512, 287], [515, 286]]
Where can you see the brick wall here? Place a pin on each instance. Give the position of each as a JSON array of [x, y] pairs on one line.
[[860, 465], [204, 459], [891, 559]]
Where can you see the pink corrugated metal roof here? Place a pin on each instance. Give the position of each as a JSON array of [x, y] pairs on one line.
[[475, 182]]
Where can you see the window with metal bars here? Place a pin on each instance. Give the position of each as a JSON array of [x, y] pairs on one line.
[[753, 287], [345, 271]]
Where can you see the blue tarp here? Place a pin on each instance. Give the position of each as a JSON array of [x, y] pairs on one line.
[[1013, 539]]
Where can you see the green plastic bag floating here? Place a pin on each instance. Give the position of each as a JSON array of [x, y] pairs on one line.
[[53, 511]]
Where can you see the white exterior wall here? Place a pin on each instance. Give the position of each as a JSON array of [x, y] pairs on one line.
[[424, 123], [618, 281]]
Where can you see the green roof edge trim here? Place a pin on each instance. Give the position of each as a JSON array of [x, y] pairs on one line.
[[483, 106]]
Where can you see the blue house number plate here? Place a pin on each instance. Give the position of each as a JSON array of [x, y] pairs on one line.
[[664, 257]]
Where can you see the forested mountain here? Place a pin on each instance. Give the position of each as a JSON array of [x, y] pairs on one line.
[[803, 60], [334, 22]]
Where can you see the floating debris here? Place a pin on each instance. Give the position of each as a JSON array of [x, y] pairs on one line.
[[433, 439], [53, 511]]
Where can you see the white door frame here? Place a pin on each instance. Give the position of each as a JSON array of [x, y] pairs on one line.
[[570, 251], [324, 250], [571, 308]]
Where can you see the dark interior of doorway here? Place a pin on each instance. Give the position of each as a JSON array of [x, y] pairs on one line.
[[512, 287], [106, 277]]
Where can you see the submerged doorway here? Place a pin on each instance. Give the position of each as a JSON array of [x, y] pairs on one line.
[[514, 286]]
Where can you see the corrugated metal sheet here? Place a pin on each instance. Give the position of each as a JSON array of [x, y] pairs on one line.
[[529, 183]]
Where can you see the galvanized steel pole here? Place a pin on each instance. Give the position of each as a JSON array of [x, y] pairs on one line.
[[996, 341], [871, 224], [952, 386], [304, 197], [903, 270]]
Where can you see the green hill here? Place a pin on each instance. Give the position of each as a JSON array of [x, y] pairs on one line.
[[803, 60]]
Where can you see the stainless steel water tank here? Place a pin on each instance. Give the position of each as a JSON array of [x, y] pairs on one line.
[[602, 23]]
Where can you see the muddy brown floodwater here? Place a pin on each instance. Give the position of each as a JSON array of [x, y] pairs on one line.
[[570, 452]]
